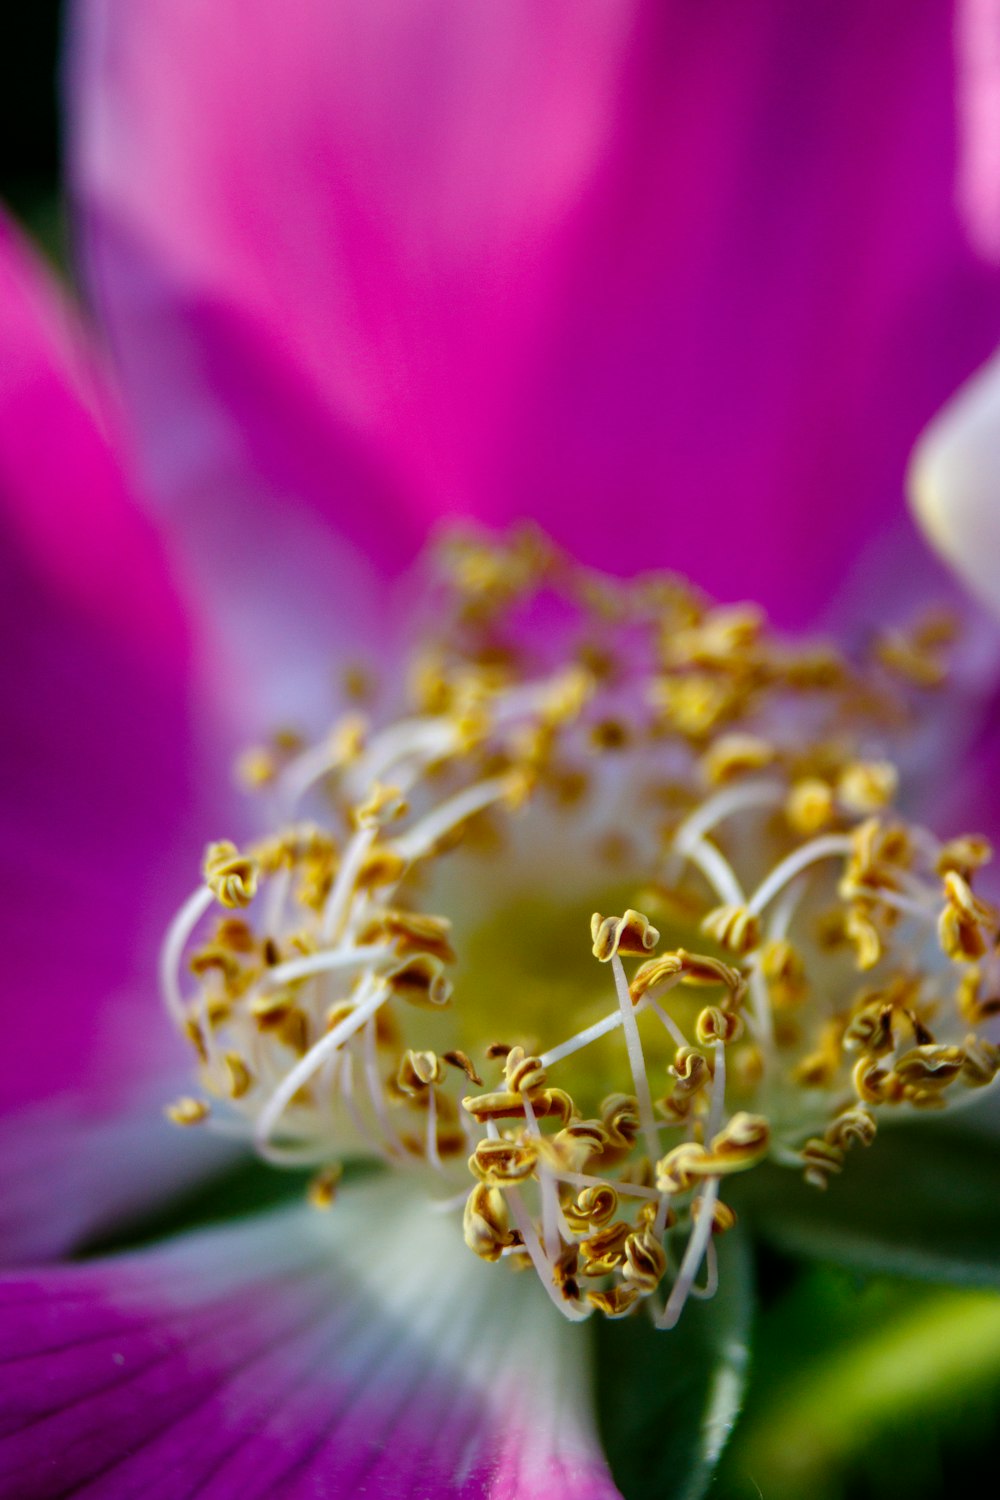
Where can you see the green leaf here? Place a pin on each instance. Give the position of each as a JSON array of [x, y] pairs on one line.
[[246, 1187], [667, 1401], [920, 1202], [875, 1388]]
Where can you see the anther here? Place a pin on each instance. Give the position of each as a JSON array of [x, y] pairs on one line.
[[187, 1111], [229, 875], [867, 786], [717, 1025], [323, 1187], [486, 1223], [733, 927], [630, 934]]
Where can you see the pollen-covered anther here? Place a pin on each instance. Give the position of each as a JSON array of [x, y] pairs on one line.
[[692, 1075], [214, 956], [519, 786], [723, 1217], [734, 755], [964, 855], [819, 1068], [982, 1062], [417, 1072], [874, 1084], [239, 1079], [347, 740], [256, 767], [572, 1148], [664, 969], [683, 1167], [717, 1025], [187, 1111], [964, 921], [230, 875], [470, 717], [604, 1250], [523, 1074], [616, 1302], [631, 935], [870, 1028], [931, 1067], [486, 1222], [565, 1270], [973, 1006], [855, 1126], [821, 1160], [383, 804], [505, 1105], [742, 1142], [867, 786], [456, 1058], [809, 806], [414, 932], [782, 966], [645, 1262], [567, 696], [279, 1015], [693, 968], [504, 1161], [620, 1117], [724, 634], [383, 865], [323, 1186], [879, 852], [860, 929], [196, 1036], [420, 980], [609, 734], [694, 704], [910, 657], [592, 1208], [735, 928]]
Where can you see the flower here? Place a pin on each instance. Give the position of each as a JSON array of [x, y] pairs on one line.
[[544, 315], [587, 736]]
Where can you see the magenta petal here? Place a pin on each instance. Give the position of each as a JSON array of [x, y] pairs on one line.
[[96, 801], [364, 1352], [683, 282], [93, 758], [63, 491]]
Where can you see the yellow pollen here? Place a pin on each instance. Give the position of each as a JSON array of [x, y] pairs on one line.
[[402, 969]]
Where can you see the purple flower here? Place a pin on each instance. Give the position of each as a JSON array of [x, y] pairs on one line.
[[683, 284]]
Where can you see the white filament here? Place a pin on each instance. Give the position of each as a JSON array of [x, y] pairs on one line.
[[829, 846]]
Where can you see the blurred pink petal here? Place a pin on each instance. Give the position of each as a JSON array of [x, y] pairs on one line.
[[977, 45], [62, 490], [298, 1355], [681, 282], [96, 763]]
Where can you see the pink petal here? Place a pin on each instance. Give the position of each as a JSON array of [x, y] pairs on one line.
[[682, 282], [62, 488], [977, 45], [96, 768], [364, 1352]]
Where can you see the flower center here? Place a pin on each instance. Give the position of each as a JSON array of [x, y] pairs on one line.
[[418, 971]]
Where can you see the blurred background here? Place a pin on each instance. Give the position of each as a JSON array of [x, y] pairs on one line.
[[861, 1386], [29, 119]]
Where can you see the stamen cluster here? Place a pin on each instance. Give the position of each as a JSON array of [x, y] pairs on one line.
[[826, 961]]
